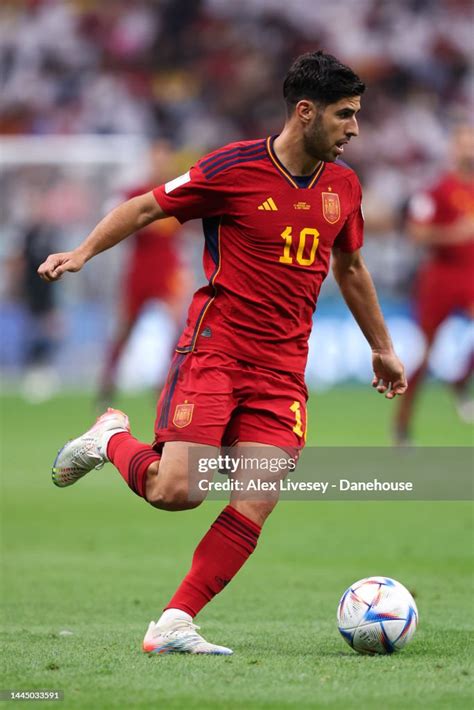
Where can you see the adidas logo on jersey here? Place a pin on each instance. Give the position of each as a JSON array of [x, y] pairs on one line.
[[268, 205]]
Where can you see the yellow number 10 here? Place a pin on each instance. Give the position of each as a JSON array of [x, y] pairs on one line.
[[287, 235]]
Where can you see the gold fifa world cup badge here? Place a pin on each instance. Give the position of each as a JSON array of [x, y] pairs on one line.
[[331, 207], [183, 415]]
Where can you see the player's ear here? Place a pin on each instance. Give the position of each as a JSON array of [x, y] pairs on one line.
[[305, 110]]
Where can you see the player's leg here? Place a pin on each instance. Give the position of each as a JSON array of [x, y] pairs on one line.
[[406, 406], [275, 412], [40, 380], [433, 306], [163, 480], [257, 505], [172, 483], [233, 536], [219, 556], [160, 474], [132, 303], [462, 387]]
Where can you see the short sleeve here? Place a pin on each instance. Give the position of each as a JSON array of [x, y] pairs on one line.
[[193, 195], [351, 236]]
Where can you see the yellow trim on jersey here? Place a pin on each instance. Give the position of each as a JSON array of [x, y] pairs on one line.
[[318, 172], [285, 172], [277, 164]]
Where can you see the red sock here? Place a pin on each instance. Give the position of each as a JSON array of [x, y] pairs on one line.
[[218, 557], [132, 459]]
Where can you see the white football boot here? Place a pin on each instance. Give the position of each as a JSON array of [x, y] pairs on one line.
[[179, 636], [89, 451]]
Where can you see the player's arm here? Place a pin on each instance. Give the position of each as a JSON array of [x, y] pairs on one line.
[[424, 227], [117, 225], [358, 290], [457, 233]]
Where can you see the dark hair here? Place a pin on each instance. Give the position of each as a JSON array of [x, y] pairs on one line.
[[321, 78]]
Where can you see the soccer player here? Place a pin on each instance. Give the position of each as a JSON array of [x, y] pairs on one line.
[[272, 210], [442, 219], [153, 272], [42, 327]]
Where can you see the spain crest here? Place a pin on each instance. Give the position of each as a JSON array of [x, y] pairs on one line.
[[331, 207], [183, 415]]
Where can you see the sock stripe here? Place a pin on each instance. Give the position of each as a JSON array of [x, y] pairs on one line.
[[229, 513], [133, 468], [230, 510], [222, 526], [132, 459], [137, 466], [236, 537], [240, 527], [141, 468]]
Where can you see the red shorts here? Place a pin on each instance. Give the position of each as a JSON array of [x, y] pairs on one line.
[[441, 290], [212, 398]]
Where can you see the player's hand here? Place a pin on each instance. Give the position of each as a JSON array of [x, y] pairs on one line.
[[57, 264], [389, 374]]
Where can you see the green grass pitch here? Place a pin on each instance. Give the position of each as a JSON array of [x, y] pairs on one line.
[[94, 560]]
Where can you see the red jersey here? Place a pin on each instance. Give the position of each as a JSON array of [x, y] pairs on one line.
[[267, 249], [450, 200], [154, 254]]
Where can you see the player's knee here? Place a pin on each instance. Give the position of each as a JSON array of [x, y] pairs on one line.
[[173, 497], [256, 510]]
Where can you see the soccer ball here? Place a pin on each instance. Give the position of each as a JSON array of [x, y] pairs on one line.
[[377, 615]]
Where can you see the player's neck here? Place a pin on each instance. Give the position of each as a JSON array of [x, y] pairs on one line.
[[290, 151]]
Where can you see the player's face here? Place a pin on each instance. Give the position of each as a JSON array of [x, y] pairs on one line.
[[331, 128]]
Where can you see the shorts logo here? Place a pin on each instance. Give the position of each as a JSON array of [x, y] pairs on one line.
[[183, 415], [331, 207]]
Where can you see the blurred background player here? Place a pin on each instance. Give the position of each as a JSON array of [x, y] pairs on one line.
[[153, 272], [442, 220], [41, 326]]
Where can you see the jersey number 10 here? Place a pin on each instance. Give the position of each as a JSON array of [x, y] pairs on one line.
[[306, 233]]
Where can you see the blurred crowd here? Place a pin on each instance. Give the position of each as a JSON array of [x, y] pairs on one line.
[[201, 73], [206, 71]]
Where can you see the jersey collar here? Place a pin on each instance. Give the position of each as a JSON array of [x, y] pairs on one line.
[[289, 177]]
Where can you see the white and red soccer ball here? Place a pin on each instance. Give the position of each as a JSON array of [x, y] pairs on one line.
[[377, 615]]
